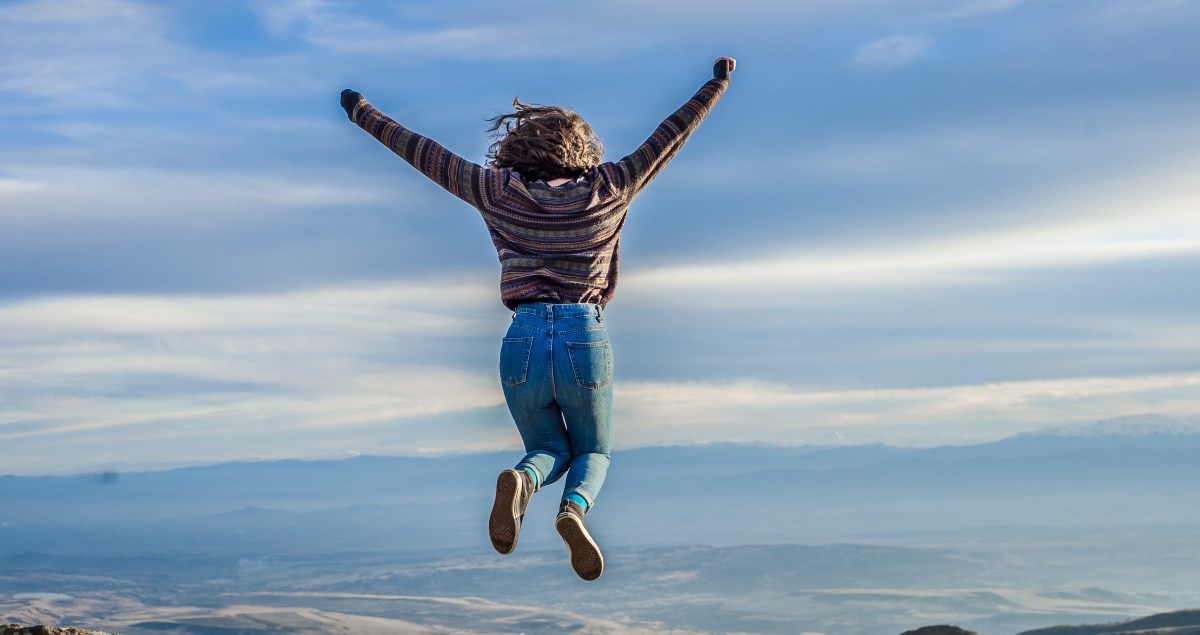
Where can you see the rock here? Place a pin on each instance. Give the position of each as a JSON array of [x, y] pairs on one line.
[[931, 630], [17, 629]]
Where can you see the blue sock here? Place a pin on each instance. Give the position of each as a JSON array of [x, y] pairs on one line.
[[533, 475], [578, 500]]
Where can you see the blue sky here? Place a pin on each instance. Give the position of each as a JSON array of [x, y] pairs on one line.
[[919, 222]]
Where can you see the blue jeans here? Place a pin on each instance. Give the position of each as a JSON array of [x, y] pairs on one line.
[[556, 367]]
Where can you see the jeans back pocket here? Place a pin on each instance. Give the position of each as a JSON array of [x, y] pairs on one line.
[[592, 363], [514, 360]]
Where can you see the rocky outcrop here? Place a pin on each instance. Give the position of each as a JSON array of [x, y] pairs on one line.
[[17, 629], [940, 630]]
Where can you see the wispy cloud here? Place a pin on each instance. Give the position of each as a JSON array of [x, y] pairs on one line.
[[524, 29], [106, 56], [659, 413], [124, 370], [1141, 217], [891, 51], [1005, 268], [98, 49], [974, 8], [371, 369], [187, 195], [967, 260], [514, 33]]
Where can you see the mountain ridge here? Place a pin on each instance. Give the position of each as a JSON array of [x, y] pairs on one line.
[[1185, 622], [1145, 428], [1150, 424]]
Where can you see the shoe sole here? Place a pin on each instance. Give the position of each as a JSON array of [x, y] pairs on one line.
[[504, 525], [586, 559]]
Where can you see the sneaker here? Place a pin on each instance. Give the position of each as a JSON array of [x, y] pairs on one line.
[[513, 491], [586, 558]]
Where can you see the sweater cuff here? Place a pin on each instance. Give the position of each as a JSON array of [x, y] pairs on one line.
[[361, 106]]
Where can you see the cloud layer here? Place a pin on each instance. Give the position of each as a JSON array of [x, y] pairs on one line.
[[915, 222], [399, 368]]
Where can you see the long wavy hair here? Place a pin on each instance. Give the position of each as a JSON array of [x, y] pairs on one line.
[[543, 142]]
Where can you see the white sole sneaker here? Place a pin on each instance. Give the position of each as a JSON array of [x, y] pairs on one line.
[[586, 559], [504, 525]]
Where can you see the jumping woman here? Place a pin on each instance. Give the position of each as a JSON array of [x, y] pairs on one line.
[[555, 213]]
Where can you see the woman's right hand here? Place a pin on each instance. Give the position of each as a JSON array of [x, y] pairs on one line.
[[350, 99], [723, 67]]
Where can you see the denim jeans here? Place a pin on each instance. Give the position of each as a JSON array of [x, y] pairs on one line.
[[556, 368]]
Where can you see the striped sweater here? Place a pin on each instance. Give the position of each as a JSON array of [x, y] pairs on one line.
[[556, 244]]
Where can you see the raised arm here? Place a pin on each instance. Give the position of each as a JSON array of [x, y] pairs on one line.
[[460, 177], [640, 167]]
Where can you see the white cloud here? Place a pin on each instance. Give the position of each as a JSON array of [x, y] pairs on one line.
[[372, 310], [891, 51], [975, 8], [44, 196], [272, 375], [515, 33], [280, 18], [289, 373], [124, 55], [525, 29], [745, 411], [966, 260], [81, 51], [1143, 217], [10, 187], [225, 377]]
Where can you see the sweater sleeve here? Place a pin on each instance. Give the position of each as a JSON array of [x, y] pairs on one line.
[[458, 176], [639, 168]]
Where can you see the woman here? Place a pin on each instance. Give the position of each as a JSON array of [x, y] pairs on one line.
[[555, 214]]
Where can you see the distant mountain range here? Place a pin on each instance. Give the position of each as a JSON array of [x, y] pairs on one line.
[[1176, 623], [1136, 426], [1131, 470], [1069, 525]]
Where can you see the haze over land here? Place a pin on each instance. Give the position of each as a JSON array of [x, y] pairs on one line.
[[1068, 526]]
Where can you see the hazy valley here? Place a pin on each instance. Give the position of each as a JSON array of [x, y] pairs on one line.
[[1064, 527]]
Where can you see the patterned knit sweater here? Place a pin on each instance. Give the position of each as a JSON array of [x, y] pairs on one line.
[[556, 244]]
